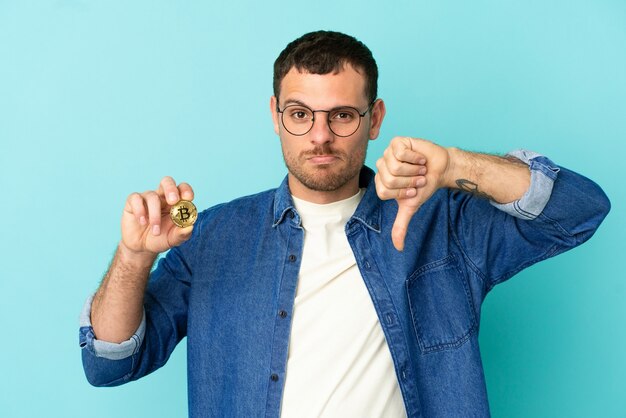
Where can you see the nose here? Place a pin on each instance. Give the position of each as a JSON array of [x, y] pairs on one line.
[[320, 133]]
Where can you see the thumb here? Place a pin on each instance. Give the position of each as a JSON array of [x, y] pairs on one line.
[[401, 224], [180, 235]]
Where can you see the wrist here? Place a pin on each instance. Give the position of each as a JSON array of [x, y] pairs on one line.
[[136, 259], [457, 163]]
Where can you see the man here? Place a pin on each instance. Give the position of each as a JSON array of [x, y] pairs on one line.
[[332, 295]]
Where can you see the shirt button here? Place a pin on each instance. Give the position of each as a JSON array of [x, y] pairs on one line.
[[291, 215], [367, 264], [292, 258], [282, 313], [274, 377]]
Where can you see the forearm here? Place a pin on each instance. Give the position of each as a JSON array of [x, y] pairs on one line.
[[500, 179], [117, 307]]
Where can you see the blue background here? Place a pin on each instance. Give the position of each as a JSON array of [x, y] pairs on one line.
[[99, 99]]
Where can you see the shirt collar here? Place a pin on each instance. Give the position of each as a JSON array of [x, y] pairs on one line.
[[368, 211]]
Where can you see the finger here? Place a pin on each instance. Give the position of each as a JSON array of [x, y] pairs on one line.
[[168, 189], [403, 150], [387, 193], [407, 193], [395, 167], [409, 156], [186, 192], [398, 182], [179, 235], [394, 181], [401, 224], [153, 202], [135, 205], [383, 192], [395, 174]]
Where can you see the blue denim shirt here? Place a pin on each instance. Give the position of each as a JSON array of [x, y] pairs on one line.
[[230, 290]]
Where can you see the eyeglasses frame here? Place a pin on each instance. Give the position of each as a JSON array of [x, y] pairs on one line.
[[361, 115]]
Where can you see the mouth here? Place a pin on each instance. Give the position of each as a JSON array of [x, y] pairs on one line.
[[323, 159]]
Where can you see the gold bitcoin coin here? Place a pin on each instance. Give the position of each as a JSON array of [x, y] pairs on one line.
[[184, 213]]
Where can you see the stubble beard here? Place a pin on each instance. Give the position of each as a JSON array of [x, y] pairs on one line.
[[324, 177]]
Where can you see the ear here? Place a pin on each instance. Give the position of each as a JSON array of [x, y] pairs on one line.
[[378, 114], [273, 103]]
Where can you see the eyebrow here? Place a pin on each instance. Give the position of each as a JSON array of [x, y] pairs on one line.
[[301, 103], [294, 101]]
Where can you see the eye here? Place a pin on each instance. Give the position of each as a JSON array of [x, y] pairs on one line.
[[299, 114], [343, 115]]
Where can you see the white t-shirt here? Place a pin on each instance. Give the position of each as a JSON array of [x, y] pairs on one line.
[[339, 363]]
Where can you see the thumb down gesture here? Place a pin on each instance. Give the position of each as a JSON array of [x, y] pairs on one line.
[[410, 171]]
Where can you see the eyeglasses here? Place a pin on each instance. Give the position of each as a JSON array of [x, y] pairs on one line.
[[344, 121]]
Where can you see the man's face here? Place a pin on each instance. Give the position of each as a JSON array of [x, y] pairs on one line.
[[324, 167]]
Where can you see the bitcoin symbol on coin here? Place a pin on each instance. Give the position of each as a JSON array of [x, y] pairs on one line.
[[184, 213]]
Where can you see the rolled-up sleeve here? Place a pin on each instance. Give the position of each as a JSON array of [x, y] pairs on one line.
[[105, 349], [163, 325], [106, 363], [560, 210], [543, 173]]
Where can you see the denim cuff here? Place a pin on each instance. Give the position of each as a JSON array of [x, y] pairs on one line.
[[104, 349], [543, 172]]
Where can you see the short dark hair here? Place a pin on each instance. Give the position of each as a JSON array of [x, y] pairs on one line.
[[323, 52]]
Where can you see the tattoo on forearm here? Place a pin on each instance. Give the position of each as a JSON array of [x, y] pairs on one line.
[[471, 187]]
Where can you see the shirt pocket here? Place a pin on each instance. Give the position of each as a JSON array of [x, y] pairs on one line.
[[441, 308]]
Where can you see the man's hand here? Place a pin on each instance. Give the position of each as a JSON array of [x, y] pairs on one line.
[[410, 171], [147, 228]]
